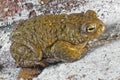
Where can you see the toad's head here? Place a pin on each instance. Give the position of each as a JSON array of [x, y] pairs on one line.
[[92, 27]]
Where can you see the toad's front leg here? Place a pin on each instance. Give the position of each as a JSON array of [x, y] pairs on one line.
[[68, 52]]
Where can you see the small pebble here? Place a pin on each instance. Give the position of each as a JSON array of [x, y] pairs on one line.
[[44, 1], [0, 46], [1, 67], [29, 6], [32, 14]]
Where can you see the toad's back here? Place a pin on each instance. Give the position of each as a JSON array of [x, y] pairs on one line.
[[46, 29]]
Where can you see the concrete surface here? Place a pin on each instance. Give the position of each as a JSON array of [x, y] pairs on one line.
[[103, 63]]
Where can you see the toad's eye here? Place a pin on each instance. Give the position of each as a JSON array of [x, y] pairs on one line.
[[91, 28]]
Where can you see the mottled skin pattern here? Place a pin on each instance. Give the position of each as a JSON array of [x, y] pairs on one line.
[[53, 38]]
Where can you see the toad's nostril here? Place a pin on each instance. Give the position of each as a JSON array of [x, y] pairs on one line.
[[102, 27]]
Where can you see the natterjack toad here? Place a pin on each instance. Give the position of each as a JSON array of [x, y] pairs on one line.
[[51, 38]]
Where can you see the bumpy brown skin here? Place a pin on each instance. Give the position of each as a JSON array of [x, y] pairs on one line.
[[52, 38]]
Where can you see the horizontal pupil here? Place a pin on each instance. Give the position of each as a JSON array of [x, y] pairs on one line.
[[90, 28]]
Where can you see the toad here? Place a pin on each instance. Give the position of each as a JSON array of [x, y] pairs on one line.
[[47, 39]]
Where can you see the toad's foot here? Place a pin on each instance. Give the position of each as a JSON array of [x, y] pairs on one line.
[[105, 40], [28, 73]]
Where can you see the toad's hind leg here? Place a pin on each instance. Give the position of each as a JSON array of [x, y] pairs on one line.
[[28, 73], [27, 60], [68, 52]]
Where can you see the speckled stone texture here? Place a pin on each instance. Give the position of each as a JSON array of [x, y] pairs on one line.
[[102, 63]]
